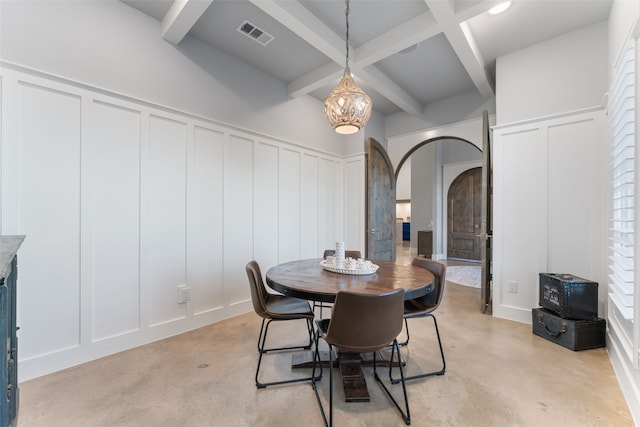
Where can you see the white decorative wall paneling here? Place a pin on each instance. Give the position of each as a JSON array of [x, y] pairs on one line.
[[355, 199], [549, 181], [122, 202]]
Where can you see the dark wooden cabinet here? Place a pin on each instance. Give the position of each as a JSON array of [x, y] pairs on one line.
[[9, 246], [425, 243]]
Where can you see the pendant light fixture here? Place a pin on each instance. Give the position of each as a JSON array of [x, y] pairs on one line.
[[347, 108]]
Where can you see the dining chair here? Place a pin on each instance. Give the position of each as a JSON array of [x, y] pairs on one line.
[[361, 323], [273, 307], [424, 306], [331, 252], [347, 254]]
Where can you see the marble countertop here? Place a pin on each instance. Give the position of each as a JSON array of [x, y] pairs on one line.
[[9, 245]]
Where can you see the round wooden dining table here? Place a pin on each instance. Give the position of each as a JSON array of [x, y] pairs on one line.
[[307, 279]]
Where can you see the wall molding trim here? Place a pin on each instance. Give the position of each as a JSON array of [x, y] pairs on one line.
[[128, 98]]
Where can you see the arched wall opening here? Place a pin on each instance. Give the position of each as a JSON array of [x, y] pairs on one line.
[[435, 163]]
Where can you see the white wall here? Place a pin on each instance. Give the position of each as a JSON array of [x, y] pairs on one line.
[[403, 211], [108, 44], [563, 74], [423, 178], [403, 183], [550, 146], [133, 174], [460, 108], [623, 20], [470, 130], [122, 202], [549, 214], [374, 129]]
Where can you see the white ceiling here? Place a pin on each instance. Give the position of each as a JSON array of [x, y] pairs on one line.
[[453, 43]]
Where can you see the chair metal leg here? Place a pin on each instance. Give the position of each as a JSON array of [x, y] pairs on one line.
[[428, 374], [316, 360], [321, 306], [262, 350], [329, 422], [406, 416], [261, 332], [406, 328]]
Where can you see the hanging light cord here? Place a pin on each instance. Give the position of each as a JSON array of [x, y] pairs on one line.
[[346, 13]]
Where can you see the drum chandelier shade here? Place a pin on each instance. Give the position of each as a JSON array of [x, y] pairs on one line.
[[347, 108]]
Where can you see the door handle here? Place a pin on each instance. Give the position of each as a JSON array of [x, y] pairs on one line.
[[486, 236]]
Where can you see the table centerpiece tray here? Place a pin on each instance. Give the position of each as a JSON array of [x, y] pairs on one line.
[[354, 271]]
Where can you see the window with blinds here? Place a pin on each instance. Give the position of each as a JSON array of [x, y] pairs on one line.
[[623, 212]]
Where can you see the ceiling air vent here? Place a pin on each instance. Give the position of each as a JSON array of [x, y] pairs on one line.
[[255, 33]]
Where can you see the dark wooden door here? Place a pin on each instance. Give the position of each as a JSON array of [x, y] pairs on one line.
[[464, 207], [381, 203], [486, 228]]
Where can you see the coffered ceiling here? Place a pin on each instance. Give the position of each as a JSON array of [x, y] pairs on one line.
[[405, 54]]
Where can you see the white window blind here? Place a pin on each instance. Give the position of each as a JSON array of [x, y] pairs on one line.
[[622, 223]]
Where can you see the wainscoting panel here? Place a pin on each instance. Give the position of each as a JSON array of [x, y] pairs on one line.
[[548, 177], [265, 205], [164, 233], [354, 203], [289, 205], [123, 201], [238, 217], [571, 242], [309, 212], [48, 141], [205, 220], [111, 218], [519, 215], [329, 193]]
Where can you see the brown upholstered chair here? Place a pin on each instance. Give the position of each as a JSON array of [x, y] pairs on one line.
[[424, 306], [276, 307], [331, 252], [362, 323]]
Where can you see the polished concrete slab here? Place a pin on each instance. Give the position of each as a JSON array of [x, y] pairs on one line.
[[498, 374]]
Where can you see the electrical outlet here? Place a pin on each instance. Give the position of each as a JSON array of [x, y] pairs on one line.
[[512, 286], [184, 294]]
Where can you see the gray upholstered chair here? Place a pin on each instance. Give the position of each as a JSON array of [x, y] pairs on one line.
[[424, 306], [362, 323], [273, 307]]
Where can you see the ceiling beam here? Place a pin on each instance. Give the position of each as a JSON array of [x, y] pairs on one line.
[[418, 29], [181, 17], [298, 19], [463, 44], [320, 77], [390, 90]]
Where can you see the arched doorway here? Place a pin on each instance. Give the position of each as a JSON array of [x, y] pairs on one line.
[[434, 164], [377, 208]]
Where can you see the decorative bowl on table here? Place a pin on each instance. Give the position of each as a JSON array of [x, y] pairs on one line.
[[349, 268]]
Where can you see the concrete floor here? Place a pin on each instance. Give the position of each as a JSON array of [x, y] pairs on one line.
[[498, 374]]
